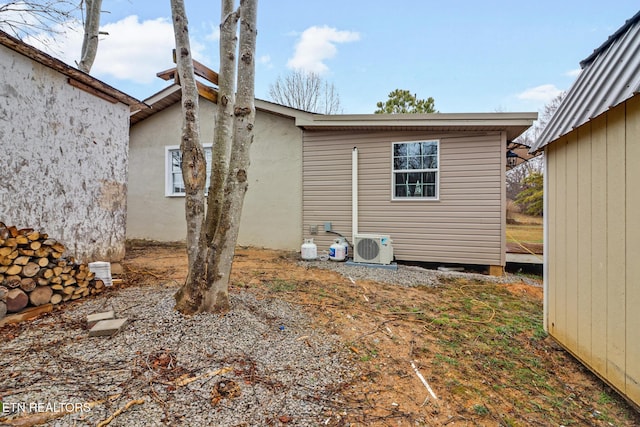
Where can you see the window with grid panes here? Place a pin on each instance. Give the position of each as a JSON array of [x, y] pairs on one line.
[[415, 170]]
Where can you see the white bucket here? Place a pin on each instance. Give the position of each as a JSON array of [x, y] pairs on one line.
[[102, 271]]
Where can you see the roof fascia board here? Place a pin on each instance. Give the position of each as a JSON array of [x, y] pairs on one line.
[[266, 106], [169, 90], [431, 120], [282, 110]]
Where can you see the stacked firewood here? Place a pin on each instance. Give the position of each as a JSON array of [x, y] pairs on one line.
[[35, 271]]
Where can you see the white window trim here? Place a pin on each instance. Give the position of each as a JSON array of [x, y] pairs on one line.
[[168, 181], [393, 175]]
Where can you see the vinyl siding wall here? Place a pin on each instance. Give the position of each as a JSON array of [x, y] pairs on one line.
[[466, 224], [593, 237]]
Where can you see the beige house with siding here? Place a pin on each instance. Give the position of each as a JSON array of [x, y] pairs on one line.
[[592, 214], [434, 183], [443, 203], [272, 210]]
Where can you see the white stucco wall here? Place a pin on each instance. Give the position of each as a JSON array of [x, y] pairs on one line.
[[63, 159], [272, 213]]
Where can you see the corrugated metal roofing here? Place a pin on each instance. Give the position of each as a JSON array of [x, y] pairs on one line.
[[609, 76]]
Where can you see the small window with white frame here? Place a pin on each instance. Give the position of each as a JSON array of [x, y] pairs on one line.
[[416, 170], [174, 183]]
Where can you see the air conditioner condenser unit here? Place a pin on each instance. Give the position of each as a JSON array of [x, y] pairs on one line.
[[372, 249]]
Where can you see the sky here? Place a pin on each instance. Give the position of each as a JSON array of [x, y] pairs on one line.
[[469, 55]]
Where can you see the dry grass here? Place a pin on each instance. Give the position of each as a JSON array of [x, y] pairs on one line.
[[480, 346], [526, 229]]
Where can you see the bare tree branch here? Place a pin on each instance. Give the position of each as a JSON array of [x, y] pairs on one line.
[[306, 91], [36, 18]]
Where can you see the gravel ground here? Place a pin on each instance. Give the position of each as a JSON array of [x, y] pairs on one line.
[[280, 370], [407, 275]]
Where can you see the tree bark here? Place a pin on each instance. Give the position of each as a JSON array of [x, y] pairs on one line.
[[91, 34], [217, 298], [232, 140], [189, 297], [226, 236], [224, 116]]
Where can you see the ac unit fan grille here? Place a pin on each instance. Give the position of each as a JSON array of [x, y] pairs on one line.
[[368, 249]]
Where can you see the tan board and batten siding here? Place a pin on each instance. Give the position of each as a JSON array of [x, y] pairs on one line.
[[593, 235], [466, 225]]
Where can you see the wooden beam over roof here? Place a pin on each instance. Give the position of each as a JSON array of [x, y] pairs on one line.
[[199, 70], [207, 92], [205, 72]]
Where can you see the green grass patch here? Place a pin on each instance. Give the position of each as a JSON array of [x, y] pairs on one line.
[[279, 285]]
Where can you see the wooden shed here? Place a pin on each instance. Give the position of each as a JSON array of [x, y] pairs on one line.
[[592, 214], [63, 152]]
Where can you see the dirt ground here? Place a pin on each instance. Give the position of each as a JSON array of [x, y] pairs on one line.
[[479, 346]]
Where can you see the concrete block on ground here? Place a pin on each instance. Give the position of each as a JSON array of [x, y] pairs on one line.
[[107, 327], [92, 319]]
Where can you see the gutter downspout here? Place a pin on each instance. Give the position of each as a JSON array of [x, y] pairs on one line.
[[354, 194]]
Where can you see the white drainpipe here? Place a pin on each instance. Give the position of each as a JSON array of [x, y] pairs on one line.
[[354, 194]]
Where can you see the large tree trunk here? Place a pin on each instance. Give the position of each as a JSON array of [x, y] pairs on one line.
[[218, 295], [193, 167], [226, 236], [91, 33], [207, 285]]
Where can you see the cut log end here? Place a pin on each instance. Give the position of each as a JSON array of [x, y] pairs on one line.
[[41, 295], [17, 299]]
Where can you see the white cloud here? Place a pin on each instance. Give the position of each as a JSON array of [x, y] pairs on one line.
[[135, 50], [214, 34], [317, 44], [265, 60], [542, 93], [132, 50], [573, 73], [65, 44]]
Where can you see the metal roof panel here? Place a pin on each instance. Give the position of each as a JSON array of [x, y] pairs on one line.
[[610, 76]]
